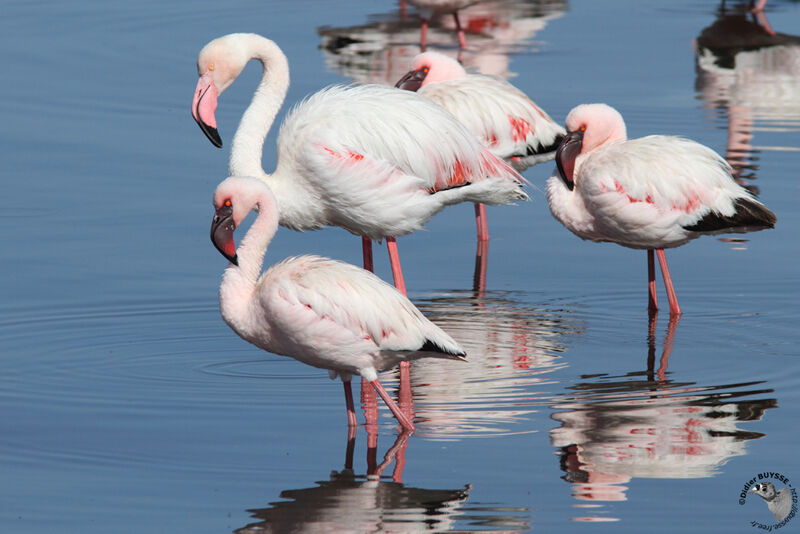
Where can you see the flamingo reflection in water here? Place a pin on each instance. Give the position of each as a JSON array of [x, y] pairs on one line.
[[645, 425], [750, 75], [514, 347], [373, 502], [381, 50]]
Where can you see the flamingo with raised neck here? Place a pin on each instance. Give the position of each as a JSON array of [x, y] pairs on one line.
[[374, 160]]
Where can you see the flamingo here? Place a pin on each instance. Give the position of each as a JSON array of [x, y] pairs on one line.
[[651, 193], [319, 311], [506, 121], [374, 160]]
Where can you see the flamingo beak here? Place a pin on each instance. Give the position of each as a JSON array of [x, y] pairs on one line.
[[412, 80], [204, 104], [566, 153], [222, 228]]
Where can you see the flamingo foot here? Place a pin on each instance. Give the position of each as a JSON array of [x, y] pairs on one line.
[[404, 421], [674, 309]]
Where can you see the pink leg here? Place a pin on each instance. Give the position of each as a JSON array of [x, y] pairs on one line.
[[399, 283], [397, 451], [668, 341], [348, 399], [366, 248], [674, 309], [423, 35], [406, 401], [652, 303], [394, 259], [480, 220], [351, 447], [370, 403], [401, 417], [462, 41], [481, 261]]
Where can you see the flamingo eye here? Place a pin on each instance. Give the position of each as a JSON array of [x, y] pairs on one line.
[[582, 128], [227, 203], [425, 70], [211, 67]]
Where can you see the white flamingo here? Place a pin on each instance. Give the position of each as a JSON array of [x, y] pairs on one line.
[[654, 192], [374, 160], [321, 312], [506, 121]]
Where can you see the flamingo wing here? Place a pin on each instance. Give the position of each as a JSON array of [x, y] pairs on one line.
[[369, 153], [336, 308], [502, 116], [660, 184]]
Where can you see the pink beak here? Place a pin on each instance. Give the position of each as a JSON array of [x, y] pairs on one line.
[[204, 104]]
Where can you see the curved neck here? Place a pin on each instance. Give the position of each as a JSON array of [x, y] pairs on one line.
[[248, 142], [239, 281]]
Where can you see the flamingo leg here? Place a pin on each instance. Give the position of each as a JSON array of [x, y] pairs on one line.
[[462, 41], [396, 451], [399, 283], [479, 276], [348, 399], [668, 341], [652, 303], [481, 222], [397, 271], [423, 35], [674, 309], [351, 447], [366, 249], [401, 417]]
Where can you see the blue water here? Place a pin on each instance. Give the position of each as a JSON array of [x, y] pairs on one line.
[[127, 405]]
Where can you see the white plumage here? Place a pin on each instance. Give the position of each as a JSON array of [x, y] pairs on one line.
[[322, 312], [504, 118], [654, 192]]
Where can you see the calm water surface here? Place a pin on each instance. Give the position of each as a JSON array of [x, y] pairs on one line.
[[127, 405]]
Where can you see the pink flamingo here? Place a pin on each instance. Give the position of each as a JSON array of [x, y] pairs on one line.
[[506, 121], [654, 192], [319, 311], [374, 160]]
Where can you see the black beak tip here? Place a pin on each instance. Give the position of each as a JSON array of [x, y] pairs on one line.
[[211, 133]]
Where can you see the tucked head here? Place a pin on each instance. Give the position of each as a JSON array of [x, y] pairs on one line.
[[430, 67], [588, 127], [234, 199]]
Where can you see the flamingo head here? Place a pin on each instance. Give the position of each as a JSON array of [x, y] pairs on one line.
[[588, 127], [218, 64], [430, 67], [234, 198]]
